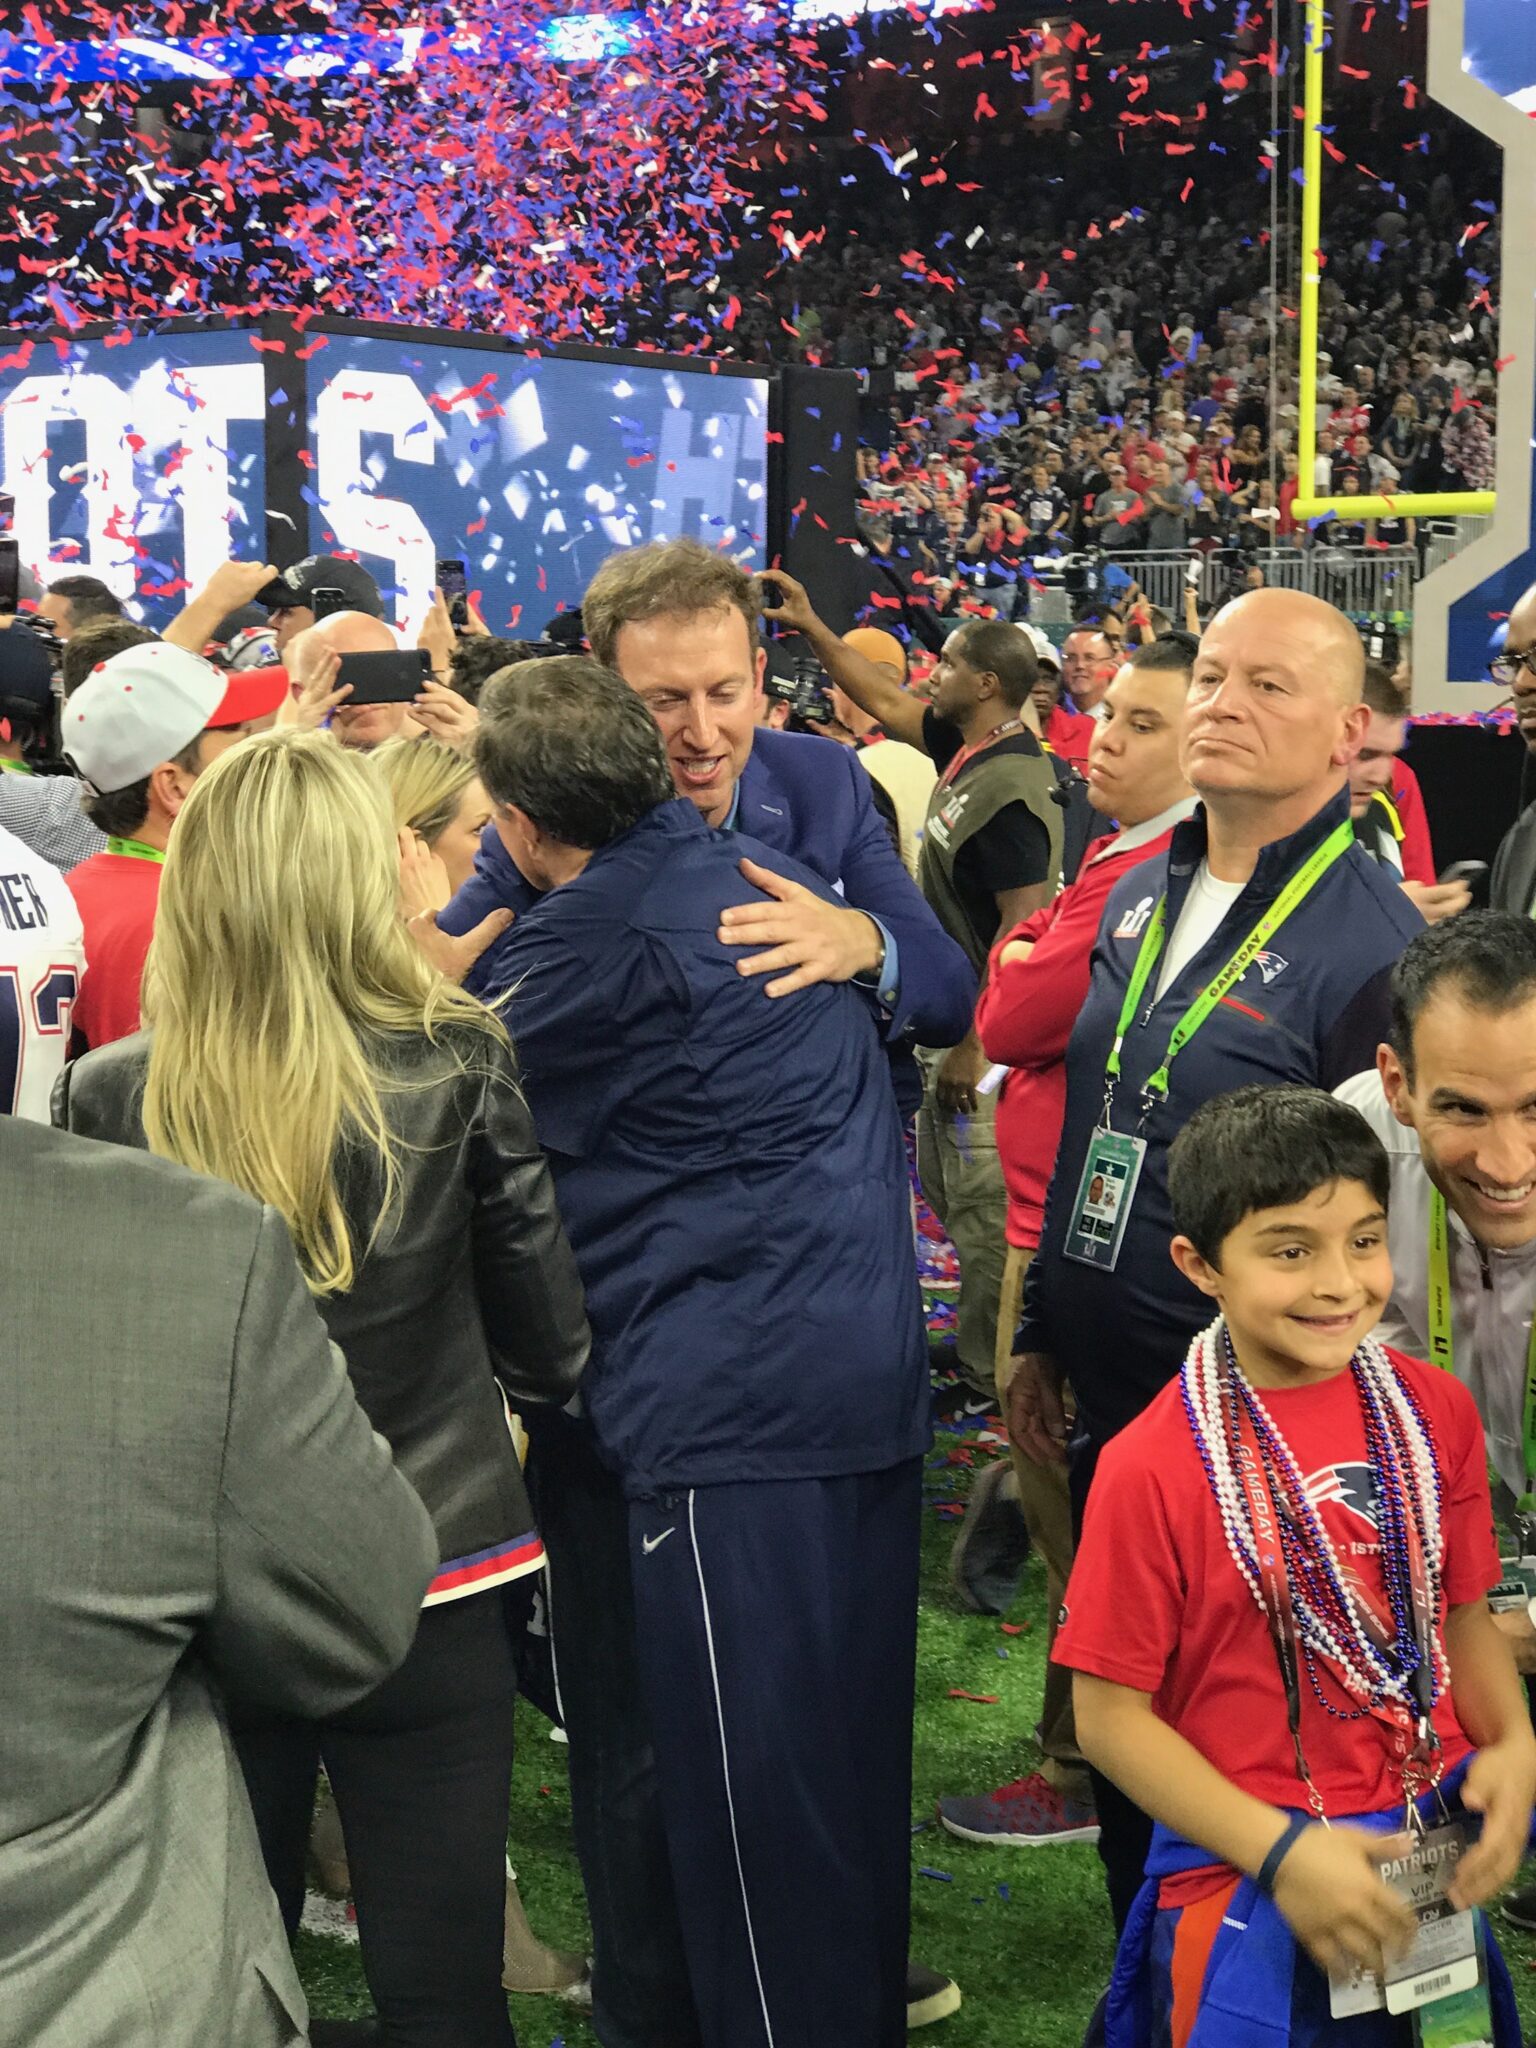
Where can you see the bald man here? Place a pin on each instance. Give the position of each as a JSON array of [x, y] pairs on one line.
[[312, 657], [1514, 868], [1265, 891]]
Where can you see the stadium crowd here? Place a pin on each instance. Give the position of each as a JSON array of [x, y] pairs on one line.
[[1100, 371], [474, 981]]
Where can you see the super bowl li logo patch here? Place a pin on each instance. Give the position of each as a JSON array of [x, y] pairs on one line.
[[1134, 921], [944, 821]]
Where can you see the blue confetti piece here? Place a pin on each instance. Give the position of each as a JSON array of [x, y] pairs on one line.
[[941, 1876]]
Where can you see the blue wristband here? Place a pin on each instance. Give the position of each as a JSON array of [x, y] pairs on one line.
[[1269, 1869]]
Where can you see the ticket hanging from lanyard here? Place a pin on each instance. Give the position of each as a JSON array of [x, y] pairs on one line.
[[1442, 1343], [1296, 890]]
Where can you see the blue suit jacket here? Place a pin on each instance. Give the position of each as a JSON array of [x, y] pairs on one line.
[[809, 799]]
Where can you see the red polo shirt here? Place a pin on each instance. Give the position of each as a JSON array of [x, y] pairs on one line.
[[116, 894], [1025, 1017]]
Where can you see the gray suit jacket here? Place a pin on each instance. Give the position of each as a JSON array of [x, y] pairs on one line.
[[1513, 886], [191, 1501]]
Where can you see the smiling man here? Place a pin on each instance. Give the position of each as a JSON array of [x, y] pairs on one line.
[[1453, 1098], [1257, 949]]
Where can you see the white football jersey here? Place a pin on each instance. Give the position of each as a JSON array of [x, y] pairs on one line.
[[42, 961]]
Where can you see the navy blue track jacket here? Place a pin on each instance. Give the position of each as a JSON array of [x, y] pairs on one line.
[[730, 1171], [1311, 1010]]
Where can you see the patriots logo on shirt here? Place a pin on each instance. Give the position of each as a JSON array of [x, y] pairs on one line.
[[1356, 1534], [1270, 965], [1345, 1486]]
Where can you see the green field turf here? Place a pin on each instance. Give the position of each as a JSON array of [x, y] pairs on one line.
[[1024, 1931]]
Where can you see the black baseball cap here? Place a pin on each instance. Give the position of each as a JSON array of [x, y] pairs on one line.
[[26, 671], [297, 586]]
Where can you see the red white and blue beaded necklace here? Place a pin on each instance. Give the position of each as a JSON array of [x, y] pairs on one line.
[[1389, 1663]]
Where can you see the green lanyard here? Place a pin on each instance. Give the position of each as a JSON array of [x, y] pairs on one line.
[[10, 767], [1301, 884], [135, 849], [1442, 1341]]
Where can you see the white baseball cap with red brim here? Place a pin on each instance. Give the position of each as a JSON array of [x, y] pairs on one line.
[[146, 704]]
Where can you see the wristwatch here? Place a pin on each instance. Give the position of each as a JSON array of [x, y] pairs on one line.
[[872, 977]]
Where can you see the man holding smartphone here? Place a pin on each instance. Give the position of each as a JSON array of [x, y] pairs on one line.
[[387, 699], [317, 588]]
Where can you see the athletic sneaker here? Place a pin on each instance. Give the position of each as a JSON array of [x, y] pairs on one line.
[[1029, 1813], [992, 1548], [930, 1996], [1520, 1909]]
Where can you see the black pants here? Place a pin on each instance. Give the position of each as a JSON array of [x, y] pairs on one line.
[[422, 1773], [748, 1868], [1125, 1832]]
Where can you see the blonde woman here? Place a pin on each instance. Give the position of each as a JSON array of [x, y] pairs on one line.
[[300, 1047], [437, 795]]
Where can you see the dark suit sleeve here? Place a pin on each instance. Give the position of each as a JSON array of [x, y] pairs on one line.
[[1349, 1044], [938, 989], [495, 885], [324, 1550], [525, 1272]]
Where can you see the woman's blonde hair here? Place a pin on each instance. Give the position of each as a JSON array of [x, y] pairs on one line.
[[426, 781], [279, 963]]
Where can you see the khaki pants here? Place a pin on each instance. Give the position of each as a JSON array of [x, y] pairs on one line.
[[962, 1181], [1048, 1515]]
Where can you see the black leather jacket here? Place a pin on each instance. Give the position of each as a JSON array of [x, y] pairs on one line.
[[468, 1294]]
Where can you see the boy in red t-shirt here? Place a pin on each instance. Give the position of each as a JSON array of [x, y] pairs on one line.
[[1278, 1611]]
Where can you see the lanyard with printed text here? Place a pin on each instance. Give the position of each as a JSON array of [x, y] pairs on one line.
[[1442, 1341], [1301, 884], [135, 849], [968, 754]]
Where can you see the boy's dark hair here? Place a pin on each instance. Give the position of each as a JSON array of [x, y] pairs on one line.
[[1486, 956], [1261, 1148]]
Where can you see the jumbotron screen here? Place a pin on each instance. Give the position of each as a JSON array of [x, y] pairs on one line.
[[140, 461], [530, 468], [143, 460]]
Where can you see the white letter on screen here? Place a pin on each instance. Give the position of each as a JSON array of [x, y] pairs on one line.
[[111, 490], [229, 391], [349, 406]]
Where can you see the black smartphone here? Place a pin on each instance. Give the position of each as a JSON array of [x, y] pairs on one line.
[[453, 582], [328, 599], [1471, 871], [391, 676], [10, 574]]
